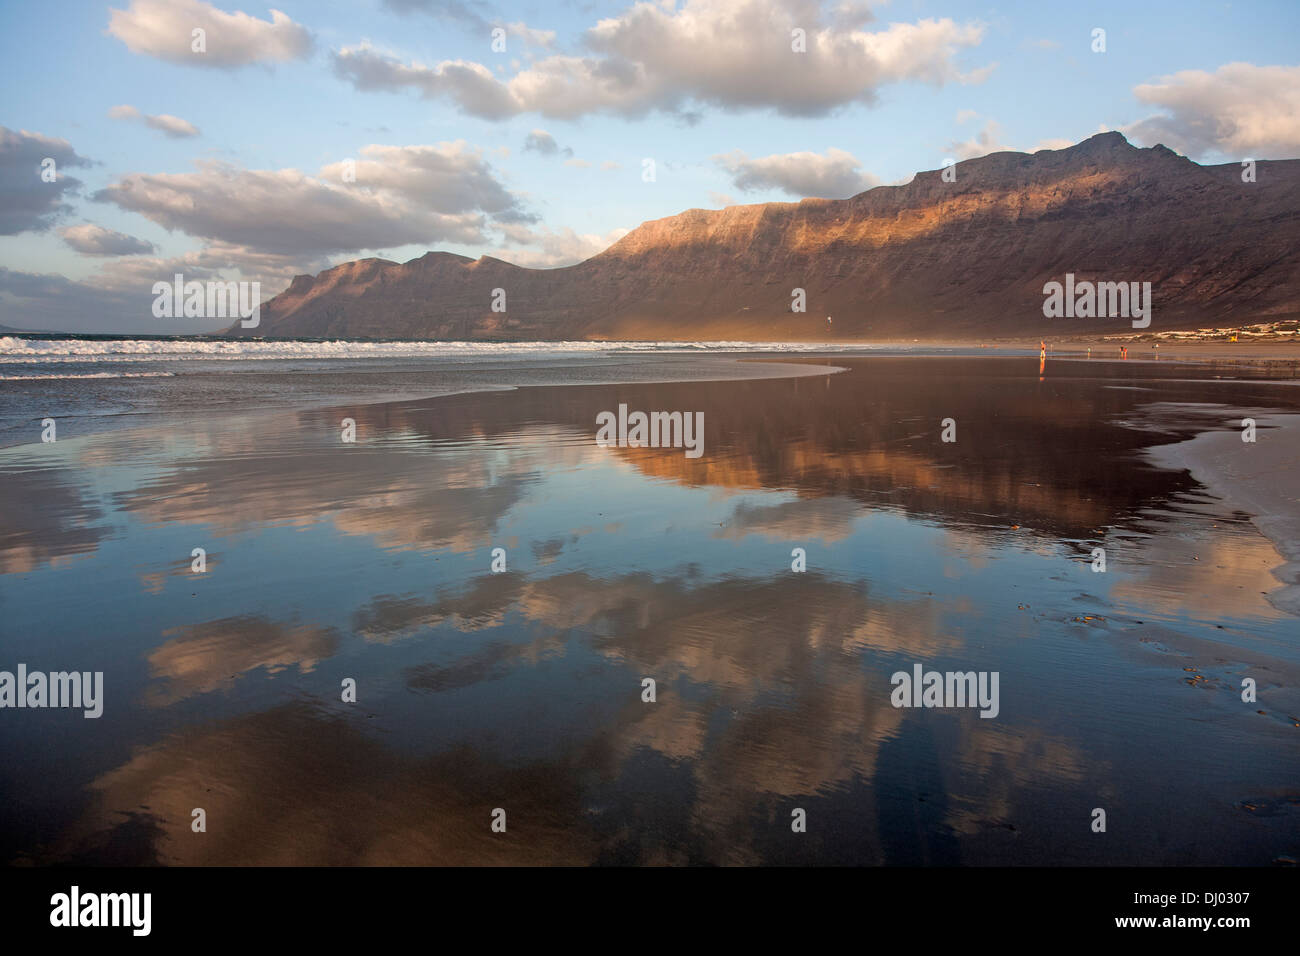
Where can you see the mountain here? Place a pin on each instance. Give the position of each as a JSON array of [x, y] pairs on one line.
[[929, 260]]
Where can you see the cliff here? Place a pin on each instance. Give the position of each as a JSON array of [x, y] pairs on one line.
[[928, 260]]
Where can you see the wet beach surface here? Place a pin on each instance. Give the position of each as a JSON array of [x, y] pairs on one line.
[[522, 690], [93, 393]]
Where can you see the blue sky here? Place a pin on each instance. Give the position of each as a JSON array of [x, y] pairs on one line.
[[707, 89]]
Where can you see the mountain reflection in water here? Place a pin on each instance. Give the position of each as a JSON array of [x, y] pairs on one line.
[[523, 690]]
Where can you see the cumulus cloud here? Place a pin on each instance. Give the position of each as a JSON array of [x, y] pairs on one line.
[[401, 194], [540, 141], [731, 55], [555, 248], [27, 201], [471, 85], [1240, 110], [986, 141], [269, 225], [449, 178], [837, 175], [164, 29], [165, 123], [92, 240]]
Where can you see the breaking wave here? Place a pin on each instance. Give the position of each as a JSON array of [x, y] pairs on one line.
[[43, 378], [18, 349]]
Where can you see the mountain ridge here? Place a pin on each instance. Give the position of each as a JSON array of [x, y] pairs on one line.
[[925, 259]]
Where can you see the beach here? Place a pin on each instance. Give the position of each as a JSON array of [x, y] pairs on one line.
[[498, 587], [1260, 478], [107, 383]]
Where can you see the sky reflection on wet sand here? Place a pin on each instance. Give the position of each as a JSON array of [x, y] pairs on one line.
[[522, 690]]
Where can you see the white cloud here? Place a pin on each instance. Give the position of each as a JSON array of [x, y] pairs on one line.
[[555, 248], [837, 175], [269, 225], [981, 144], [732, 55], [164, 29], [273, 224], [92, 240], [540, 141], [1050, 143], [401, 194], [471, 85], [172, 126], [1240, 110]]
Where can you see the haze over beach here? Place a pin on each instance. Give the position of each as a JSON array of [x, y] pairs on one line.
[[722, 432]]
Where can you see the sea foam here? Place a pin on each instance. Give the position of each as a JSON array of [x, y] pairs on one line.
[[18, 349]]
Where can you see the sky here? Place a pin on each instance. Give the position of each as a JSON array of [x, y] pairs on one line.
[[284, 140]]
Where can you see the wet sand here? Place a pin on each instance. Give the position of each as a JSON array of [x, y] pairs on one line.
[[172, 390], [1261, 478], [523, 688]]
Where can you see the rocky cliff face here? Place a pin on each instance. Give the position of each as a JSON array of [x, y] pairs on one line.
[[929, 260]]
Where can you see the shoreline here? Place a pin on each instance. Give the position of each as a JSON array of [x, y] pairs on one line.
[[348, 386], [1250, 352], [1254, 347], [1261, 479]]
